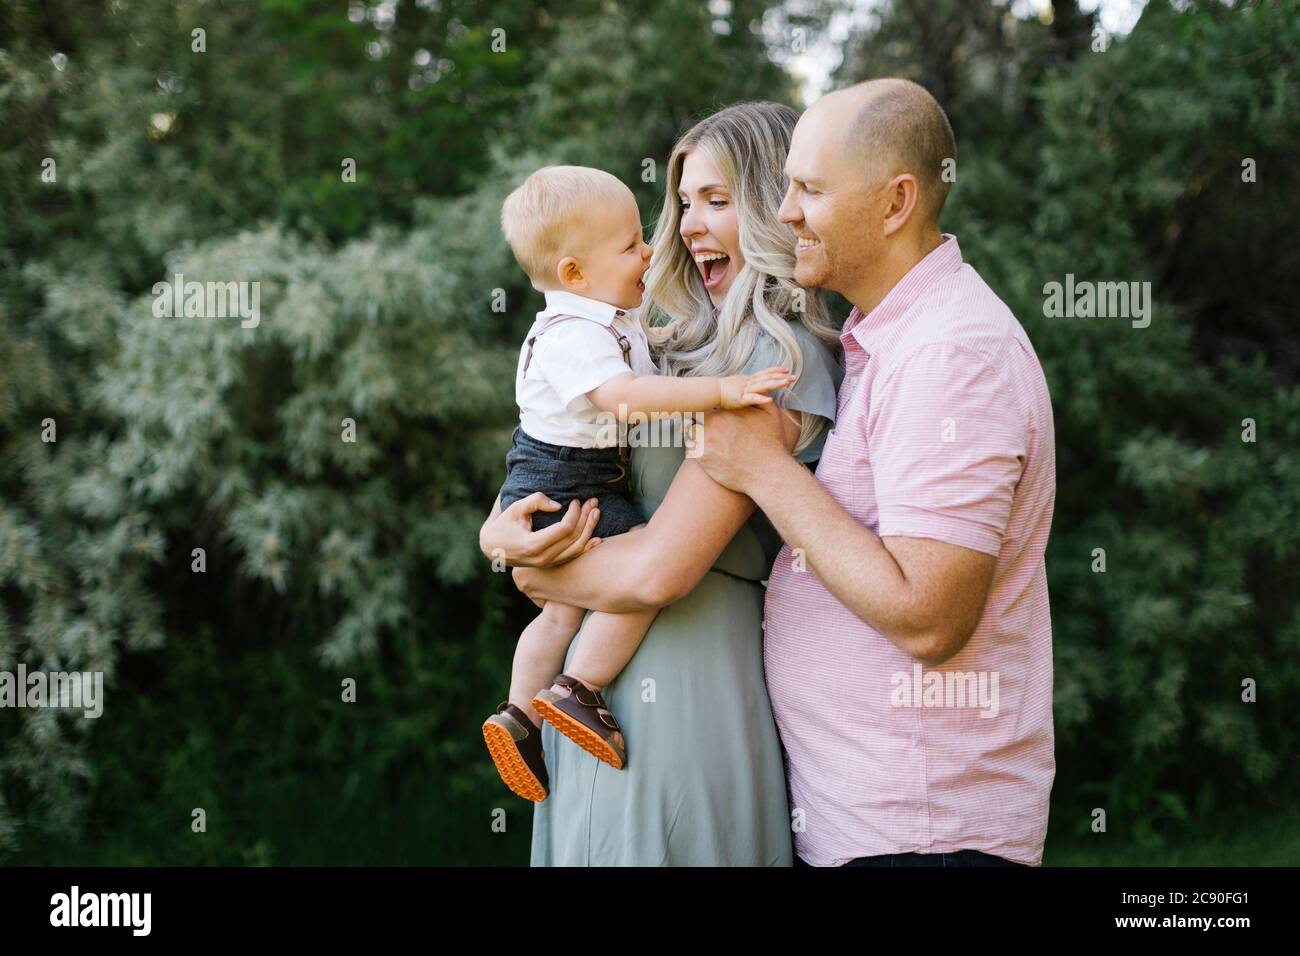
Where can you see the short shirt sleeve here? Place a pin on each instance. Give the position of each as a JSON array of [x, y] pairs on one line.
[[947, 444], [815, 391], [574, 357]]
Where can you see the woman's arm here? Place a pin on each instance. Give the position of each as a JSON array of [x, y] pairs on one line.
[[662, 562]]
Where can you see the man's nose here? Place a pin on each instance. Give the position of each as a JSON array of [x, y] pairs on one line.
[[789, 211]]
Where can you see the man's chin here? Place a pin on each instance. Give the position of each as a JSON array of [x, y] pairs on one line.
[[808, 276]]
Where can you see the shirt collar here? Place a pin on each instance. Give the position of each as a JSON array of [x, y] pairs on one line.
[[563, 302], [942, 260]]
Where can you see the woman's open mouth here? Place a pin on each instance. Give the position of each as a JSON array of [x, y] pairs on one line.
[[713, 267]]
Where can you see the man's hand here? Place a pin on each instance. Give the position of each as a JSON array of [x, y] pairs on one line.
[[736, 447], [739, 391], [510, 534]]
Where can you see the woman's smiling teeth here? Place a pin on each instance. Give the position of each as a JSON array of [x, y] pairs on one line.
[[714, 266], [805, 244]]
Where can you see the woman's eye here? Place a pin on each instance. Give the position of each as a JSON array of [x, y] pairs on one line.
[[717, 203]]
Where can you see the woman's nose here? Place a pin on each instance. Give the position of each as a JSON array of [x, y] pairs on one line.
[[690, 225]]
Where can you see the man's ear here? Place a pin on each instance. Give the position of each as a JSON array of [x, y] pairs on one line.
[[901, 194], [569, 272]]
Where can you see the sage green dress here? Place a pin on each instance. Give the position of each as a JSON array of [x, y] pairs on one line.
[[704, 784]]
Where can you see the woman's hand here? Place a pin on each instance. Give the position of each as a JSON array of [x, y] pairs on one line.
[[527, 580], [509, 534]]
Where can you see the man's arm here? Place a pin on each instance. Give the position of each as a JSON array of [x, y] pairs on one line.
[[943, 503], [926, 596]]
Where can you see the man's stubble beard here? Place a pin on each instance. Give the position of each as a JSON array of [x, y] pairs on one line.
[[813, 277]]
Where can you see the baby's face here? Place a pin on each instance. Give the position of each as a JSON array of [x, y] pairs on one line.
[[615, 257]]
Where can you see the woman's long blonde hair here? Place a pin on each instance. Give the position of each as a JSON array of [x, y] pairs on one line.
[[747, 143]]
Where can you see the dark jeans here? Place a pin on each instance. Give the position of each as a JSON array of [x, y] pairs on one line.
[[960, 858], [565, 473]]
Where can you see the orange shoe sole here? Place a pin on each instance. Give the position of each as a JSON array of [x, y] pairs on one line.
[[579, 733], [511, 764]]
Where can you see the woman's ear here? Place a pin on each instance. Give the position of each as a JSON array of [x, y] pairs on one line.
[[569, 272]]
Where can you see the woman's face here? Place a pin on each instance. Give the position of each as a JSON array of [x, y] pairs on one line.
[[710, 226]]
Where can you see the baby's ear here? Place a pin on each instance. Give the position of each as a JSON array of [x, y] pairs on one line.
[[569, 271]]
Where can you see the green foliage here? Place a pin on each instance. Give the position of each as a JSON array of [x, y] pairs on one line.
[[329, 559], [1130, 171], [325, 558]]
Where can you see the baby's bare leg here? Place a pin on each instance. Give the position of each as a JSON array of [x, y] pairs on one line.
[[608, 642], [539, 655]]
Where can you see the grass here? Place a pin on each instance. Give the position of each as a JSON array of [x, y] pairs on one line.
[[322, 822], [351, 823], [1246, 840]]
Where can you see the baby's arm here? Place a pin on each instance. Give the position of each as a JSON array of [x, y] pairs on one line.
[[628, 393]]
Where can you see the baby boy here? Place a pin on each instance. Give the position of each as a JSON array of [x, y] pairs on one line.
[[586, 361]]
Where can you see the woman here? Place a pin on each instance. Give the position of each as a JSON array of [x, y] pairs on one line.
[[705, 782]]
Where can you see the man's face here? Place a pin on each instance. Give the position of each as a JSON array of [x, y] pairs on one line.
[[829, 205]]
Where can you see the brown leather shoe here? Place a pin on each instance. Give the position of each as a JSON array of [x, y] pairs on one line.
[[581, 715], [516, 748]]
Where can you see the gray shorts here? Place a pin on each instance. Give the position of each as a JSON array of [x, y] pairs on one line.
[[564, 474]]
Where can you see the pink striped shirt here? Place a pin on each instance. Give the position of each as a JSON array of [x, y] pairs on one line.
[[944, 431]]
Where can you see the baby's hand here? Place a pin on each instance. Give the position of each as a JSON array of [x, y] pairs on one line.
[[659, 335], [741, 390]]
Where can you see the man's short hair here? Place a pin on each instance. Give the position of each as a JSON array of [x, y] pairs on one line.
[[899, 125], [540, 217]]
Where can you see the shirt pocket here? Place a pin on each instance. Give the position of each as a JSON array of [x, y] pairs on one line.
[[837, 468]]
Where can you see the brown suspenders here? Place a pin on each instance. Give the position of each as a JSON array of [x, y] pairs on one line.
[[623, 344], [619, 337]]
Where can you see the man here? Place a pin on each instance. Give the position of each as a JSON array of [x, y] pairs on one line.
[[908, 637]]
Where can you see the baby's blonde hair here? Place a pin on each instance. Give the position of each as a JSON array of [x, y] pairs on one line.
[[542, 218]]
